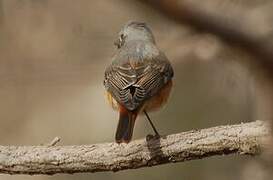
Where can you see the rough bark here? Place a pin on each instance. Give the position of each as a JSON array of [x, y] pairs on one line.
[[245, 138]]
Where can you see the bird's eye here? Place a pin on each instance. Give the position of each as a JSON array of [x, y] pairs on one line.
[[122, 36], [120, 41]]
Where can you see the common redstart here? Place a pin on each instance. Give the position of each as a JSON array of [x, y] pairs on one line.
[[138, 80]]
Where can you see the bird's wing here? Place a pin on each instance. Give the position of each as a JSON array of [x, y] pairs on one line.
[[152, 79], [117, 80], [132, 83]]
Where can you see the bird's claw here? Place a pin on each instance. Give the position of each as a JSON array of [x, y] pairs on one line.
[[150, 137]]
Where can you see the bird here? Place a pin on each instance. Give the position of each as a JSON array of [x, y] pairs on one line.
[[139, 78]]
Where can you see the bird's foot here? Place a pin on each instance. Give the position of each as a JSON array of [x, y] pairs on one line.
[[151, 137]]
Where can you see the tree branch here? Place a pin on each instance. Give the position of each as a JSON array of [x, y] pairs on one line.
[[240, 139]]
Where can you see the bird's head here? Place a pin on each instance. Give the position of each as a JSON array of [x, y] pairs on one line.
[[134, 31]]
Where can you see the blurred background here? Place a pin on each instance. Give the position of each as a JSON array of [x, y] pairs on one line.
[[52, 60]]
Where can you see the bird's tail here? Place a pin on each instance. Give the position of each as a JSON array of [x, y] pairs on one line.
[[125, 125]]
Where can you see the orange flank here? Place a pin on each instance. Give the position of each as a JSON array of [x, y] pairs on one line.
[[152, 104]]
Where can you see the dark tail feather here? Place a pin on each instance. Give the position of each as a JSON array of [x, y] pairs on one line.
[[125, 126]]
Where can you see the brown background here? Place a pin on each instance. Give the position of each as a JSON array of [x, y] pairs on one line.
[[52, 60]]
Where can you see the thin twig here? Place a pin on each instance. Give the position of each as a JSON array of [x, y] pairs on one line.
[[54, 141]]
